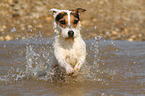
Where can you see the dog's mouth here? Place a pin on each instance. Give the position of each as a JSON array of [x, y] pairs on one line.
[[69, 38]]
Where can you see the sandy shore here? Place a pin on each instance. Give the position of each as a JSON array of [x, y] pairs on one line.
[[111, 19]]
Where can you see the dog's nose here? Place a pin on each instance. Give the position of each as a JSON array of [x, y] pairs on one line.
[[70, 34]]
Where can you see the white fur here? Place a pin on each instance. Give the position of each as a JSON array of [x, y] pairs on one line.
[[69, 54]]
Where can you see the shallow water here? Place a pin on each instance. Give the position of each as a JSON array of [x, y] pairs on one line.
[[112, 68]]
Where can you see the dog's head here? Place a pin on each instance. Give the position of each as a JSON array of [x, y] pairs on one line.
[[67, 22]]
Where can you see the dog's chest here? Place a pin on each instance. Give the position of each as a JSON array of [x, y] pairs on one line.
[[72, 54]]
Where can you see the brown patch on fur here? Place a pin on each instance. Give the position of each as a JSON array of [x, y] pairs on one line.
[[75, 16], [62, 19], [74, 20]]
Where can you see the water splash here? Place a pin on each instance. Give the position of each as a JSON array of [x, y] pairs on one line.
[[13, 75], [37, 60], [38, 55], [92, 64]]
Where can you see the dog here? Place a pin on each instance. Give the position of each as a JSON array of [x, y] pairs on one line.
[[69, 47]]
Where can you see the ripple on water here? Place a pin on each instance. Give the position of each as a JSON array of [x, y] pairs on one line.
[[112, 67]]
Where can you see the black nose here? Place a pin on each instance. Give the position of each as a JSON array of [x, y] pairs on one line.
[[70, 34]]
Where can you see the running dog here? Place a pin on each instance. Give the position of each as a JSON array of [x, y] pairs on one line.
[[69, 47]]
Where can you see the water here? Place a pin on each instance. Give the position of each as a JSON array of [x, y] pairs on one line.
[[113, 68]]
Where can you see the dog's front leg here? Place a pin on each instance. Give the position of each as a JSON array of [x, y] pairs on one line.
[[80, 63], [66, 66], [61, 61]]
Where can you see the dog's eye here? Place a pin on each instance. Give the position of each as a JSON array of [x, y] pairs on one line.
[[62, 22], [76, 21]]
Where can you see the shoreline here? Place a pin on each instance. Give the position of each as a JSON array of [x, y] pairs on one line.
[[116, 20]]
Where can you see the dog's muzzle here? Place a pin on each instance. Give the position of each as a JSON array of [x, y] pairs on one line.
[[70, 34]]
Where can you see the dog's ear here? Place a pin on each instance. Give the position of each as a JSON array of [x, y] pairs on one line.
[[79, 10], [54, 11]]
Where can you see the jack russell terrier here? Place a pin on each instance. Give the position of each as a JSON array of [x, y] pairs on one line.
[[69, 47]]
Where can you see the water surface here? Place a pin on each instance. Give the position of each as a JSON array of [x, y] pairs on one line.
[[113, 68]]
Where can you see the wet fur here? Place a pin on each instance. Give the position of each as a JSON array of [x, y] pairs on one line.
[[69, 53]]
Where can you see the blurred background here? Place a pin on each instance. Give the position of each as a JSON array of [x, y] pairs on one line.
[[111, 19]]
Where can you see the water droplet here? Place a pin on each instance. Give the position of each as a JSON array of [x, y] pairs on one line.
[[98, 37], [102, 94], [107, 33], [12, 30], [31, 30], [29, 15], [95, 27], [40, 33], [112, 42]]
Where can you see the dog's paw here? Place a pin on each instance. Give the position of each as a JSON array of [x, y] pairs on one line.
[[77, 68], [75, 74], [69, 70]]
